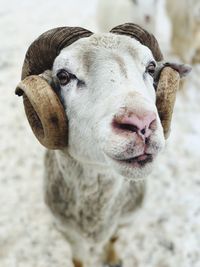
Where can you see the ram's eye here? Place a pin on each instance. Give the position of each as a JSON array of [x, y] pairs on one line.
[[64, 77], [151, 68]]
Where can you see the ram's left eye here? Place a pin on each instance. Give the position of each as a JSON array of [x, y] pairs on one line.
[[151, 68], [64, 77]]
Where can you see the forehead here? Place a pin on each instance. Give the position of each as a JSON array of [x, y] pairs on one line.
[[101, 48]]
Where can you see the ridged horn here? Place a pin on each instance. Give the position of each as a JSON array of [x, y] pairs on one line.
[[143, 36], [43, 108]]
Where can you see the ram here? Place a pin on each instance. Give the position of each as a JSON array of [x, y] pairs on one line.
[[101, 104]]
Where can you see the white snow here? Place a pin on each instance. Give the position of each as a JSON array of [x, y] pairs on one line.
[[166, 230]]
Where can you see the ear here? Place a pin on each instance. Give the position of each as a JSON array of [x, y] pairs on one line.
[[182, 69]]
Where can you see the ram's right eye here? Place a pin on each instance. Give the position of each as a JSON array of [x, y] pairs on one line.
[[150, 69], [64, 77]]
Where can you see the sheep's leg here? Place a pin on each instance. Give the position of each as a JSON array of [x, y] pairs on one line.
[[112, 259], [77, 263]]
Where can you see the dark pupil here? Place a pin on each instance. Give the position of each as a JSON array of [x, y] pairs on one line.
[[151, 69], [63, 77]]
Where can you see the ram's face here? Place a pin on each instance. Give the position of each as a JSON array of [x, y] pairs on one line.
[[106, 86]]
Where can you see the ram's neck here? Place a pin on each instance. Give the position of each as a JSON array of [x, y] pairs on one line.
[[90, 199], [83, 176]]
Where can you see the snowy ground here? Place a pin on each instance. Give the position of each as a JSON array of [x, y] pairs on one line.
[[166, 230]]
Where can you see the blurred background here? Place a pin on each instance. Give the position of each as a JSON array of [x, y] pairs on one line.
[[166, 230]]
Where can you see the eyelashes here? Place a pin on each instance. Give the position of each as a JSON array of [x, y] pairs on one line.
[[64, 77], [151, 68]]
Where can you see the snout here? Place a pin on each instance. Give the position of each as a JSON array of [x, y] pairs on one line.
[[135, 140], [136, 128], [143, 123]]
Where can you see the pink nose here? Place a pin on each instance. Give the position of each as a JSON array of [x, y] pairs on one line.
[[141, 124]]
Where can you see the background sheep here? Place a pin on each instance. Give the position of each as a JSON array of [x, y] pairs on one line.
[[185, 20], [179, 32], [164, 232], [146, 13]]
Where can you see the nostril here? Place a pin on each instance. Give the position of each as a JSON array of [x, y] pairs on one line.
[[140, 124], [125, 127], [143, 131]]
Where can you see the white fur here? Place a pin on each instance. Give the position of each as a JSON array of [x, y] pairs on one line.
[[89, 191]]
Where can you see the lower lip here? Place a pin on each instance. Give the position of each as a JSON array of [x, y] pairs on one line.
[[138, 161]]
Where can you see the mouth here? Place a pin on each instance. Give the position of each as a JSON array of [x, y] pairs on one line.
[[138, 161]]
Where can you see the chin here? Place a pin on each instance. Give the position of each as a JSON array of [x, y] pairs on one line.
[[134, 169]]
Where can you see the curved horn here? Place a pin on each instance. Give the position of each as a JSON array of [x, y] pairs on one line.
[[168, 80], [44, 111], [144, 37]]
